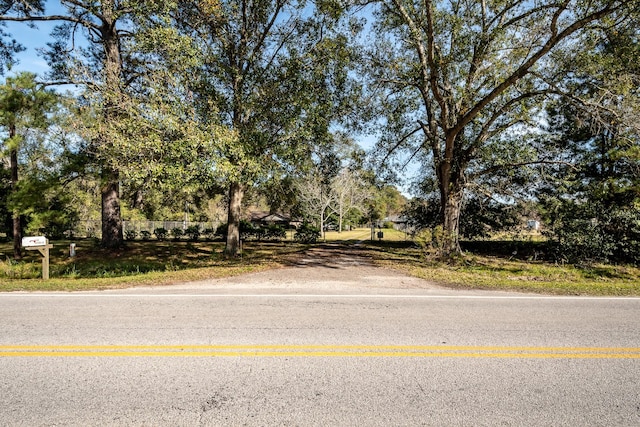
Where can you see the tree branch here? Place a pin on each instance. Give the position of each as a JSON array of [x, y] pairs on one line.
[[428, 64], [524, 69], [402, 140], [83, 22], [494, 169]]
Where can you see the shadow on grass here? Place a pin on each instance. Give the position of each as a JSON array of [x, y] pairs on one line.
[[206, 258], [139, 257]]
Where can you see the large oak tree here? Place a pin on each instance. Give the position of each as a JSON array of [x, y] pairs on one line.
[[455, 76]]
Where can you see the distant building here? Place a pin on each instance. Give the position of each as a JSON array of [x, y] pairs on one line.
[[400, 222], [263, 218]]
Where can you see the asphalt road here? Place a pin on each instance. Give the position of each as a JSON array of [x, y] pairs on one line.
[[341, 344]]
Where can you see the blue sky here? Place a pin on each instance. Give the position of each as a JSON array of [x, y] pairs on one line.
[[32, 39]]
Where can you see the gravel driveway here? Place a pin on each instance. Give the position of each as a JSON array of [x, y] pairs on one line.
[[326, 267]]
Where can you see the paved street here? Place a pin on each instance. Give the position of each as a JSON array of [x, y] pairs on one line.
[[318, 344]]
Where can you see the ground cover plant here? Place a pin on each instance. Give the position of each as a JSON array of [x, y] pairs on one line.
[[165, 262], [509, 272], [138, 263]]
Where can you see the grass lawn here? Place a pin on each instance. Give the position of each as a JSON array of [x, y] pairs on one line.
[[364, 235], [502, 273], [168, 262], [139, 263]]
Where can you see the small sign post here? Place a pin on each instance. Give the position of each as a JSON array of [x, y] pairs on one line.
[[40, 244]]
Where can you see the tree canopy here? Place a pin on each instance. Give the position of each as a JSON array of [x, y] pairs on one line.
[[458, 76], [493, 100]]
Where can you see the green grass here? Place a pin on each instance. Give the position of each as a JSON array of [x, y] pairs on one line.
[[139, 264], [364, 235], [165, 263], [498, 273]]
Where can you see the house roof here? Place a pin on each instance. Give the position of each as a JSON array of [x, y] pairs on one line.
[[275, 217], [398, 219], [268, 217]]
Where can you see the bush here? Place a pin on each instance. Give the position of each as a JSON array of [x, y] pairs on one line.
[[247, 230], [209, 233], [161, 233], [611, 236], [177, 233], [430, 240], [274, 232], [146, 235], [250, 231], [222, 230], [193, 232], [307, 233], [130, 234]]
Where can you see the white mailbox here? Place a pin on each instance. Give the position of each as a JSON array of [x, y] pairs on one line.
[[40, 244], [28, 242]]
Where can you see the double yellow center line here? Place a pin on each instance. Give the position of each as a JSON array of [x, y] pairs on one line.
[[269, 350]]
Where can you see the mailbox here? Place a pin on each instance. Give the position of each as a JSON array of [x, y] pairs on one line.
[[40, 244], [29, 242]]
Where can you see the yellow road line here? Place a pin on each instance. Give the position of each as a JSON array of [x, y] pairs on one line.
[[274, 350]]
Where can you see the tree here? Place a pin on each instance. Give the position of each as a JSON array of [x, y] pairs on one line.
[[23, 107], [315, 196], [272, 72], [90, 50], [591, 203], [455, 76], [350, 194], [385, 200]]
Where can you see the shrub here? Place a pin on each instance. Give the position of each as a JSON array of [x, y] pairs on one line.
[[177, 233], [222, 230], [161, 233], [193, 232], [431, 240], [247, 230], [610, 235], [146, 235], [275, 232], [307, 233], [130, 234], [209, 233]]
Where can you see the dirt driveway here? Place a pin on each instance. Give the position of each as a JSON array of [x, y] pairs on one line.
[[325, 267]]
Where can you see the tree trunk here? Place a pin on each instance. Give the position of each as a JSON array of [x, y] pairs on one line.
[[17, 229], [112, 236], [138, 200], [451, 207], [236, 193], [450, 180]]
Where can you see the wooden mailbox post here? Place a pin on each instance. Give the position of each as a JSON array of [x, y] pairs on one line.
[[40, 244]]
